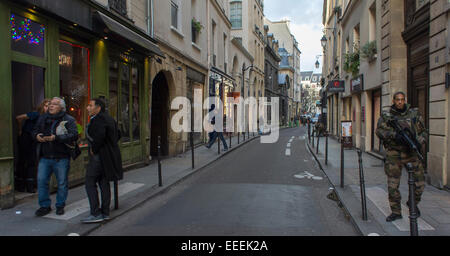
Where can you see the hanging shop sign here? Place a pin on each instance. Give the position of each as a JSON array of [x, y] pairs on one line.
[[336, 86]]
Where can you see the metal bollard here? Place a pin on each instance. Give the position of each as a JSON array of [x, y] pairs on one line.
[[116, 195], [238, 137], [230, 139], [218, 143], [414, 231], [317, 148], [312, 138], [309, 133], [192, 148], [326, 148], [159, 162], [362, 185], [342, 164]]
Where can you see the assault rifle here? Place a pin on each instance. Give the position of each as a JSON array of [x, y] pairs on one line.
[[407, 136]]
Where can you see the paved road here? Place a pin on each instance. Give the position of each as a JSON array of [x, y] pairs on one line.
[[251, 191]]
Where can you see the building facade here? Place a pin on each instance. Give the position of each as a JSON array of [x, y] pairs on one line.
[[271, 71], [397, 46], [311, 87], [291, 65], [78, 51]]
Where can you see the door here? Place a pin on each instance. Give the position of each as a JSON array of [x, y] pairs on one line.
[[418, 82], [27, 94]]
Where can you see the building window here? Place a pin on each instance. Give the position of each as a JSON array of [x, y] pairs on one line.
[[174, 14], [27, 36], [74, 81], [124, 86], [236, 14], [119, 6]]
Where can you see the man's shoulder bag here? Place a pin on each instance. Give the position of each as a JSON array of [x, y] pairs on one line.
[[74, 150]]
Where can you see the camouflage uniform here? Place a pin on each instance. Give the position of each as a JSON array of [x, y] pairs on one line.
[[398, 155]]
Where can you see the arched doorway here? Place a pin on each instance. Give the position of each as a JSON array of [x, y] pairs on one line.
[[159, 115]]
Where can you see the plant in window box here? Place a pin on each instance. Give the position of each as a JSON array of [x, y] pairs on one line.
[[369, 51], [196, 25], [337, 10], [351, 63]]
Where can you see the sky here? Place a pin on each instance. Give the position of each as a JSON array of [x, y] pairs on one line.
[[305, 24]]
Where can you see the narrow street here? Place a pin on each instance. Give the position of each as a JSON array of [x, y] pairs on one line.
[[258, 189]]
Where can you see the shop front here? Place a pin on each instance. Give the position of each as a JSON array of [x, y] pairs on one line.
[[45, 56], [221, 86]]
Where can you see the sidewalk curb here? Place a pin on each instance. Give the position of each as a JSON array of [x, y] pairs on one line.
[[155, 190], [344, 207]]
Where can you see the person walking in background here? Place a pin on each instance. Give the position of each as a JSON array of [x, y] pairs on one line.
[[214, 134], [105, 162], [26, 171], [53, 131]]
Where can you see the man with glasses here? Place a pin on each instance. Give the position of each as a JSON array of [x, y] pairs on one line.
[[398, 153], [54, 130]]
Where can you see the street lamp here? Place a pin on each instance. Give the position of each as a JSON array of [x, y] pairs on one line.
[[323, 41], [317, 61]]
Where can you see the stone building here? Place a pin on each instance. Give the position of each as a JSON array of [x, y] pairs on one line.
[[411, 55], [77, 51], [271, 69], [289, 48]]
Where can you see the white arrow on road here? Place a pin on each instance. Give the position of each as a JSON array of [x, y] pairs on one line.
[[308, 176]]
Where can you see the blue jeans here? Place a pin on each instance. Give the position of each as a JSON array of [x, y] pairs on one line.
[[45, 169], [213, 138]]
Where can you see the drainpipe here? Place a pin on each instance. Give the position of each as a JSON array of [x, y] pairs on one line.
[[150, 12]]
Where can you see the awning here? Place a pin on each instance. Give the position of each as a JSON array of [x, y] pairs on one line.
[[124, 32]]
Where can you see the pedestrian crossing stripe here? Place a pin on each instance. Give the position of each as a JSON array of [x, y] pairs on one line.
[[76, 208], [380, 198]]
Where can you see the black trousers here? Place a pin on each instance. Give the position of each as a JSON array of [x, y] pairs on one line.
[[95, 175]]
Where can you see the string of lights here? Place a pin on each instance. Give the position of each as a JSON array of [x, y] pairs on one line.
[[23, 31]]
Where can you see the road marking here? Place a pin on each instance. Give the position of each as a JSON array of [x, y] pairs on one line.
[[76, 208], [373, 234], [288, 145], [308, 176], [288, 151], [73, 234], [301, 137], [380, 198]]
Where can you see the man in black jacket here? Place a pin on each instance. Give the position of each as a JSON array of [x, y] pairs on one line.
[[54, 130], [105, 162]]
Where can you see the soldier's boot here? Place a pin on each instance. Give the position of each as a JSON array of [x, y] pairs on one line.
[[417, 208], [393, 217]]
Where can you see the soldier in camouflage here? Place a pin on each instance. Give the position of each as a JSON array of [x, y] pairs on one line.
[[398, 154]]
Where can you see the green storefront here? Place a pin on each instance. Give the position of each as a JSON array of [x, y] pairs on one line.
[[47, 51]]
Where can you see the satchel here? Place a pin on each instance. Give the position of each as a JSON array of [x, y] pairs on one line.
[[74, 150]]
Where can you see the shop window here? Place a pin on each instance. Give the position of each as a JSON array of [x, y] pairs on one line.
[[135, 97], [113, 107], [124, 98], [27, 36], [74, 73], [124, 120]]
